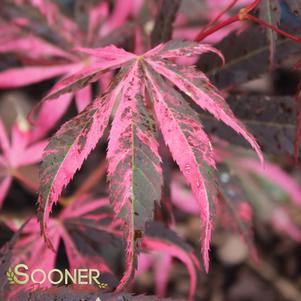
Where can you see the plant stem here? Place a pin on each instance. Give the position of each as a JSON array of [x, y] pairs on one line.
[[238, 17], [244, 15], [202, 35], [218, 17]]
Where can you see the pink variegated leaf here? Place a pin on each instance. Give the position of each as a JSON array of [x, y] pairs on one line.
[[85, 213], [160, 238], [57, 21], [181, 195], [4, 142], [8, 32], [19, 77], [134, 165], [145, 262], [81, 217], [6, 258], [97, 15], [67, 151], [275, 175], [33, 47], [5, 182], [180, 49], [196, 85], [121, 12], [82, 207], [161, 263], [86, 76], [235, 210], [78, 260], [108, 53], [190, 148], [31, 248], [33, 154], [44, 122], [162, 270], [83, 97], [144, 88], [19, 142]]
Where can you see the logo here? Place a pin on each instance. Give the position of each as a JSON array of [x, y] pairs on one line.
[[21, 274]]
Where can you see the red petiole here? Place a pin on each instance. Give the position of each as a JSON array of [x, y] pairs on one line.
[[243, 15]]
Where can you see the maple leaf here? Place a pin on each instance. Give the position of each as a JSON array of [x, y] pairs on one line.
[[21, 151], [247, 57], [272, 123], [6, 257], [270, 12], [72, 225], [234, 209], [165, 245], [92, 221], [270, 204], [44, 60], [144, 91]]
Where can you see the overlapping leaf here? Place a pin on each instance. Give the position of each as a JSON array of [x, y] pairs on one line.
[[19, 151], [246, 57], [84, 215], [157, 237], [272, 123]]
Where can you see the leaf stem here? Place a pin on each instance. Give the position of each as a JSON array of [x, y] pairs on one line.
[[243, 15], [218, 17], [204, 34]]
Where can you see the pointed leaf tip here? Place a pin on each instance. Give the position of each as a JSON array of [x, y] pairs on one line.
[[66, 152]]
